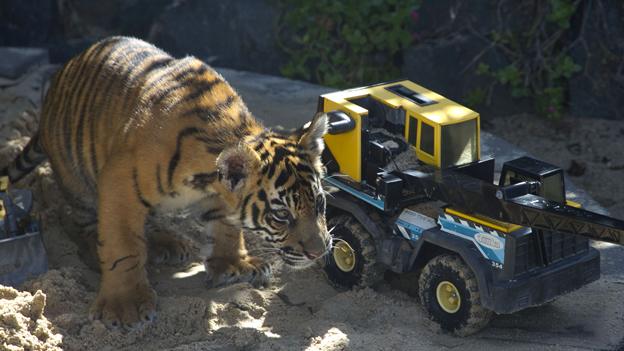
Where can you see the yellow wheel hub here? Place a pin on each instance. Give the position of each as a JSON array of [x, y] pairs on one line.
[[448, 297], [344, 256]]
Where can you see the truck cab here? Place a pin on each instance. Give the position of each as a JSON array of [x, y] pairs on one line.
[[442, 132]]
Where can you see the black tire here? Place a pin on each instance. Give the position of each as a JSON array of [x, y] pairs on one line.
[[366, 271], [461, 318]]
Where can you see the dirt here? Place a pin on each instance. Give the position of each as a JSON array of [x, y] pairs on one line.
[[300, 310]]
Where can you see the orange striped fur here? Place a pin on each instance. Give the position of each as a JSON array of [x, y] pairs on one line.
[[129, 130]]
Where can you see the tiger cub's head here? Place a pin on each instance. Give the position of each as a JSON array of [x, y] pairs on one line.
[[276, 179]]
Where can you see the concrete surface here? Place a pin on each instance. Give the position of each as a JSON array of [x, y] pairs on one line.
[[15, 61], [588, 319]]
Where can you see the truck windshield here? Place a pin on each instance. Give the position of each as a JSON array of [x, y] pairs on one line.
[[459, 143]]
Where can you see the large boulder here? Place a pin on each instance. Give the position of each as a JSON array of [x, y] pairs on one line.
[[235, 34], [450, 43], [598, 91], [448, 66], [82, 22], [26, 22]]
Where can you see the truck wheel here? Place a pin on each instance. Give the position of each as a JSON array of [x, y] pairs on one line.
[[351, 262], [450, 295]]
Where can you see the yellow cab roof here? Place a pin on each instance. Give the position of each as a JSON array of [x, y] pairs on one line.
[[444, 111]]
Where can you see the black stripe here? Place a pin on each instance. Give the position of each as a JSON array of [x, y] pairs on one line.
[[210, 113], [303, 168], [200, 87], [133, 267], [278, 240], [76, 85], [262, 196], [277, 202], [201, 180], [282, 179], [191, 82], [182, 69], [114, 265], [126, 51], [86, 103], [255, 213], [259, 147], [210, 144], [211, 215], [215, 150], [244, 207], [175, 159], [159, 185], [131, 67], [259, 229], [152, 66], [137, 190]]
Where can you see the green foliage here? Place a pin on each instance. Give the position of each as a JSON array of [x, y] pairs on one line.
[[561, 11], [475, 97], [540, 65], [344, 43]]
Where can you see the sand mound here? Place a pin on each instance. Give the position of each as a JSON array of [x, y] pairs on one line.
[[22, 323]]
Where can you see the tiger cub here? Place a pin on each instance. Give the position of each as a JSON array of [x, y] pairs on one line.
[[129, 130]]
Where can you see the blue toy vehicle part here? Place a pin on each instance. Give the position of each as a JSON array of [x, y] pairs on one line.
[[411, 224], [374, 201], [490, 242], [22, 253]]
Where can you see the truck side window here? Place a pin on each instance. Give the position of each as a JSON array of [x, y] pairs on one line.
[[412, 131], [426, 138]]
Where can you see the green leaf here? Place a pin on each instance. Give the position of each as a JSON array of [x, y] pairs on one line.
[[483, 68]]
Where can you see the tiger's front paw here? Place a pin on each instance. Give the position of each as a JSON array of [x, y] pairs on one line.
[[226, 271], [128, 307]]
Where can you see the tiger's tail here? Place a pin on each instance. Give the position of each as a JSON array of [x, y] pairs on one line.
[[26, 161]]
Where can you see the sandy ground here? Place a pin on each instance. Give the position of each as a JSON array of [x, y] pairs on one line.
[[301, 310]]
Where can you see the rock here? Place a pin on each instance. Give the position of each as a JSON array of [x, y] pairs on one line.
[[233, 34], [453, 15], [16, 61], [26, 22], [599, 90], [448, 66], [86, 21]]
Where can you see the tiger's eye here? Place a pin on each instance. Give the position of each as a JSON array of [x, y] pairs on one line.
[[281, 215]]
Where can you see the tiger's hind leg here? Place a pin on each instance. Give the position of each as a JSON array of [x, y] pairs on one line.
[[79, 221], [82, 230], [167, 247], [228, 261]]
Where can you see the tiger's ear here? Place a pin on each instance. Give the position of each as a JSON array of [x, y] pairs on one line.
[[312, 135], [235, 165]]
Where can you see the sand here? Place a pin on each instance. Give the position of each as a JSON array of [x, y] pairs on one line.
[[300, 311], [22, 323]]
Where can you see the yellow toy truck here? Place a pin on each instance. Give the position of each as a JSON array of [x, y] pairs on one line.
[[481, 247]]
